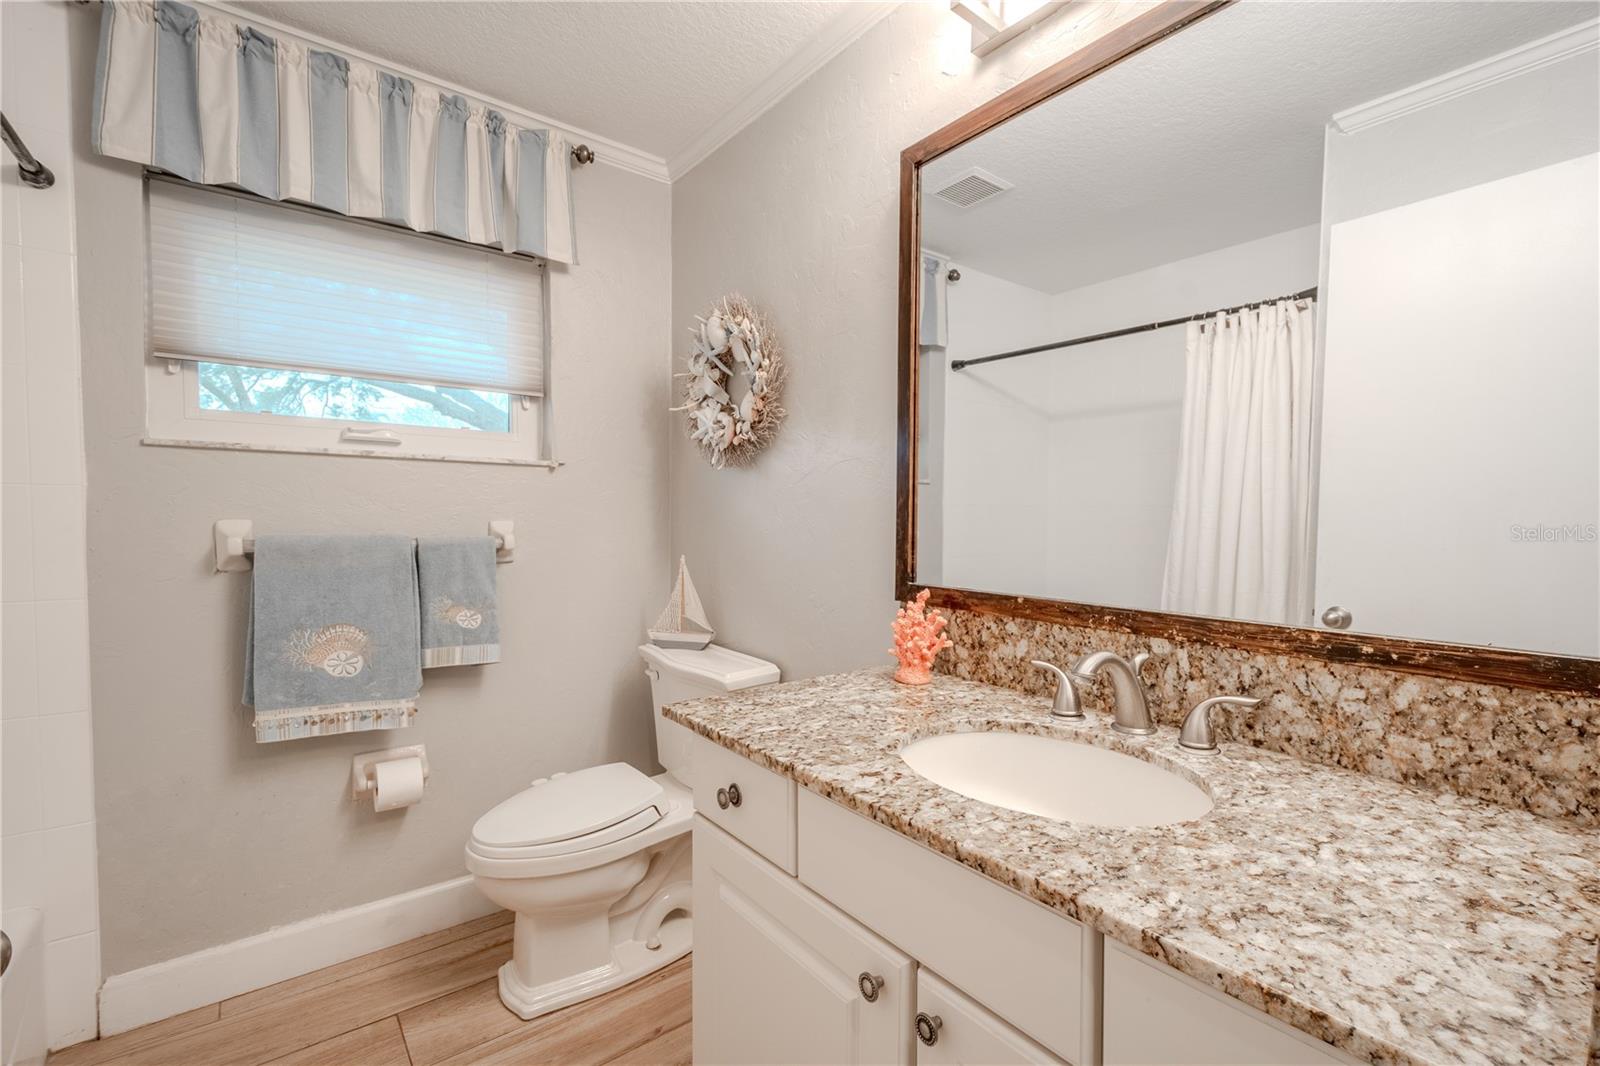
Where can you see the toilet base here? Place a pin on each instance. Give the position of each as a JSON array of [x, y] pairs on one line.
[[630, 960]]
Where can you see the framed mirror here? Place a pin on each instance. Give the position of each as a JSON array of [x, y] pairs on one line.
[[1275, 326]]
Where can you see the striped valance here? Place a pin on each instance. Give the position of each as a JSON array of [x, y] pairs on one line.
[[196, 93]]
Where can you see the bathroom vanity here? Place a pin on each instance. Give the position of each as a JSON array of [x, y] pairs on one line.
[[848, 909]]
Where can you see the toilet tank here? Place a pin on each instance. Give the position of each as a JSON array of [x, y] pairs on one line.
[[678, 674]]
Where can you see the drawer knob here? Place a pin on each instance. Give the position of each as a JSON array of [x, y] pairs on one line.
[[928, 1026], [722, 798], [870, 984], [729, 797]]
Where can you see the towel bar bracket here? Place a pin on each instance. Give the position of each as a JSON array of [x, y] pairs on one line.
[[234, 542]]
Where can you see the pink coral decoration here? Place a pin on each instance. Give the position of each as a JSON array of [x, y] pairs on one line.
[[918, 640]]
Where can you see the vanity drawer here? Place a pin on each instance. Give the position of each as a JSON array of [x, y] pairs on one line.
[[965, 1033], [1197, 1024], [763, 816], [1033, 967]]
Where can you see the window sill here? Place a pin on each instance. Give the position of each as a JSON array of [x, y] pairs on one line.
[[351, 453]]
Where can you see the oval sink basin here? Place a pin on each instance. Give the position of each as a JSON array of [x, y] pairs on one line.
[[1059, 779]]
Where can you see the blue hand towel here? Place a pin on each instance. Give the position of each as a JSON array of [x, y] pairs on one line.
[[460, 615], [332, 645]]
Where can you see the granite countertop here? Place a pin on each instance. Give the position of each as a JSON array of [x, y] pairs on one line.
[[1401, 925]]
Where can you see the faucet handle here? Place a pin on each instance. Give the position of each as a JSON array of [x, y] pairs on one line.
[[1197, 734], [1066, 701]]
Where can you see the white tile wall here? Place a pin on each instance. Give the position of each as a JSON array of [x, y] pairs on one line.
[[19, 682], [47, 828], [72, 965]]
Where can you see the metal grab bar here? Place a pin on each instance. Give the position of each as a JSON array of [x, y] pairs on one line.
[[31, 171]]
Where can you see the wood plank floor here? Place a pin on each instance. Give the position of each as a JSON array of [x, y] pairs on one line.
[[432, 1000]]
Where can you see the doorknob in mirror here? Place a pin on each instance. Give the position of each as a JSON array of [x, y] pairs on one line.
[[1337, 617]]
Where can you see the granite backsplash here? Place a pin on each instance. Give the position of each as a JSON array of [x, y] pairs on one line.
[[1531, 750]]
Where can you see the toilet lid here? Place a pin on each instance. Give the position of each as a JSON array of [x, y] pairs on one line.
[[572, 807]]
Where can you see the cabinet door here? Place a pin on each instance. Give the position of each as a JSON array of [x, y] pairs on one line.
[[777, 970], [1155, 1015], [953, 1030]]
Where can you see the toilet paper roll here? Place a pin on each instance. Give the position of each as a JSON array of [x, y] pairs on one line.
[[398, 784]]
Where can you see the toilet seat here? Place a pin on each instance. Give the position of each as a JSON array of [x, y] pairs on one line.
[[571, 812], [576, 821]]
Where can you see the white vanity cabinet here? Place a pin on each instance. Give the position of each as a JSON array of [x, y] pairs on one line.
[[953, 1030], [1032, 966], [749, 801], [1155, 1015], [823, 937], [782, 977]]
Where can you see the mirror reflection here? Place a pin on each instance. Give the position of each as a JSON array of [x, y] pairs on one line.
[[1290, 318]]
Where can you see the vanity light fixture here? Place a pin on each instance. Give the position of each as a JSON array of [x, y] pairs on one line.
[[994, 22]]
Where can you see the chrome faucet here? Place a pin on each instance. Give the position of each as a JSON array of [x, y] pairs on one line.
[[1066, 704], [1131, 706], [1197, 734]]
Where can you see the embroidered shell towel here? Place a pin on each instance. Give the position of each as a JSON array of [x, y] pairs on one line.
[[332, 644], [460, 615]]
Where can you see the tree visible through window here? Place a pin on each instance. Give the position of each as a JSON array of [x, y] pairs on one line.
[[303, 394]]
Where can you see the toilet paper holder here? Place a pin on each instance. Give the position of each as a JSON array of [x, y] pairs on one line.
[[364, 767]]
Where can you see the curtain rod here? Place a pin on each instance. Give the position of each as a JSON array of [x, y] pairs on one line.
[[582, 154], [960, 364], [32, 172]]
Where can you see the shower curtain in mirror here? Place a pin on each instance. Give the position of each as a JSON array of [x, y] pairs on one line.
[[1239, 545]]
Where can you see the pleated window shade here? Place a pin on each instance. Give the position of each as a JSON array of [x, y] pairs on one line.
[[235, 280]]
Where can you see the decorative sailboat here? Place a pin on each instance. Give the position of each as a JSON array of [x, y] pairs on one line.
[[683, 624]]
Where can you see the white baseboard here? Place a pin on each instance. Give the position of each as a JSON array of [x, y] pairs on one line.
[[138, 997]]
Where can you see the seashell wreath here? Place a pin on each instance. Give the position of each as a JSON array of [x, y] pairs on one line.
[[735, 383]]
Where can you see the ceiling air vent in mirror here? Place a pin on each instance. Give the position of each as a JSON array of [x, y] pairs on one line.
[[972, 186]]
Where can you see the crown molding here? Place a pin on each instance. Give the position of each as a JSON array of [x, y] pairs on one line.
[[851, 23], [1584, 37], [607, 151]]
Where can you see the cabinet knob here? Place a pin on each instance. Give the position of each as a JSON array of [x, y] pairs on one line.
[[729, 797], [870, 984], [722, 798], [928, 1026]]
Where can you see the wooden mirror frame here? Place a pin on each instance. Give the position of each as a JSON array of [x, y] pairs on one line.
[[1465, 662]]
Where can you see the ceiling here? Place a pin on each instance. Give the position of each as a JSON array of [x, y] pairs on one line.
[[1207, 140], [652, 76]]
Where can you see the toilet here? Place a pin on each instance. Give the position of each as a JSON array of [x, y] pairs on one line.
[[595, 863]]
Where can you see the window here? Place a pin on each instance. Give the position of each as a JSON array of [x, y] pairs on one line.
[[282, 328]]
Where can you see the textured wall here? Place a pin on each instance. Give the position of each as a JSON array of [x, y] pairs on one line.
[[207, 837], [794, 556]]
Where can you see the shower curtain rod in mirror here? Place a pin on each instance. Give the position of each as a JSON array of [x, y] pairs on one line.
[[960, 364]]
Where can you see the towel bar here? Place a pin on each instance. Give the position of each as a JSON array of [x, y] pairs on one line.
[[235, 542]]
